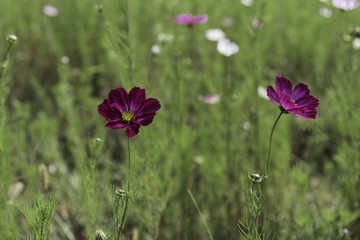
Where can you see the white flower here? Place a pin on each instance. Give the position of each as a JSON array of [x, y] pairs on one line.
[[246, 126], [227, 48], [325, 12], [65, 60], [247, 3], [214, 34], [155, 49], [50, 11], [262, 92], [356, 43]]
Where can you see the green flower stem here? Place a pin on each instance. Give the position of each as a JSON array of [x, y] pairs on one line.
[[269, 151], [127, 195], [202, 217], [3, 63]]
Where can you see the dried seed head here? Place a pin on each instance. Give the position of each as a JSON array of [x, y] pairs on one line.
[[15, 190], [44, 176]]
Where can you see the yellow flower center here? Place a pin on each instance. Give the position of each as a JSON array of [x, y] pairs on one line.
[[127, 116], [294, 102]]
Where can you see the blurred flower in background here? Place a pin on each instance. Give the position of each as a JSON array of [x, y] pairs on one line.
[[214, 34], [209, 99], [50, 11], [325, 12], [227, 48], [356, 43], [262, 92], [65, 59], [345, 5], [165, 37], [255, 23], [228, 22], [247, 3], [155, 49], [189, 19]]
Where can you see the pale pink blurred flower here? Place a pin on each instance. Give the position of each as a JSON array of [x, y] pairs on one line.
[[228, 22], [209, 99], [214, 34], [345, 5], [345, 231], [255, 23], [325, 12], [50, 11], [65, 59], [227, 48]]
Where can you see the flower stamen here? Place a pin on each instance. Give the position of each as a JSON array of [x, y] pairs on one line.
[[127, 116]]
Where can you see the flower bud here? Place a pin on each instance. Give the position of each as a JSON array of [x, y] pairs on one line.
[[255, 176], [100, 235], [11, 39], [120, 193]]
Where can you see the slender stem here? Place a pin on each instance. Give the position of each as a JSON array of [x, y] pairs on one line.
[[129, 157], [127, 196], [2, 68], [129, 53], [202, 217], [269, 151]]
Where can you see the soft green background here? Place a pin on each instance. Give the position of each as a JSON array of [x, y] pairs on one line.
[[49, 116]]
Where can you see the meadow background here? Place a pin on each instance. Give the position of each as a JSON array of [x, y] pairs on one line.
[[49, 121]]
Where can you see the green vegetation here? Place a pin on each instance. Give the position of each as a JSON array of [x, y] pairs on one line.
[[58, 161]]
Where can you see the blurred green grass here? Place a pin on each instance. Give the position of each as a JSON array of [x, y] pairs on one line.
[[49, 115]]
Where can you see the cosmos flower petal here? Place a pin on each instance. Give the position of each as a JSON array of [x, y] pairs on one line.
[[136, 98], [120, 97], [108, 112], [273, 95], [300, 91], [308, 101], [116, 125], [132, 129], [151, 105], [189, 19], [283, 85], [286, 102], [305, 113], [200, 19], [146, 119]]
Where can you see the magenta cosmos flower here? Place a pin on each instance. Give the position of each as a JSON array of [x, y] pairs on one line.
[[130, 111], [296, 101], [189, 19]]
